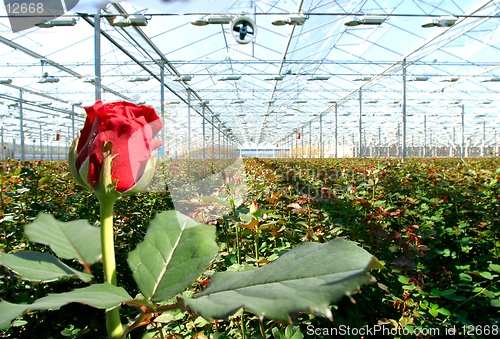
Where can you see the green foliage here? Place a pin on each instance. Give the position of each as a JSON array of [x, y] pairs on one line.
[[105, 296], [308, 278], [40, 267], [175, 251], [433, 223], [68, 240], [291, 332]]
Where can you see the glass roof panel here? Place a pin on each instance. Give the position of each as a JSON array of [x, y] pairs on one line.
[[283, 80]]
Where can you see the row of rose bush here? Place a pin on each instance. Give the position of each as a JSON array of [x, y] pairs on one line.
[[433, 223]]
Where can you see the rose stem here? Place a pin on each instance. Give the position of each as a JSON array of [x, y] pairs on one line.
[[113, 323]]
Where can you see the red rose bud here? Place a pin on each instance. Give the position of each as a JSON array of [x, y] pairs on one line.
[[118, 135]]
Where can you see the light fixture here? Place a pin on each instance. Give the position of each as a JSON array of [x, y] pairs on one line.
[[450, 79], [138, 20], [5, 81], [237, 101], [212, 19], [365, 20], [486, 102], [230, 77], [319, 77], [204, 103], [185, 77], [493, 79], [300, 101], [276, 78], [218, 19], [371, 101], [46, 78], [47, 103], [138, 79], [363, 79], [89, 80], [291, 19], [201, 21], [61, 21], [443, 21], [13, 105], [419, 78], [173, 102], [130, 20]]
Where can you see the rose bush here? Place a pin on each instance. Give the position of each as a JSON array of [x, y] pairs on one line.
[[127, 131], [113, 157]]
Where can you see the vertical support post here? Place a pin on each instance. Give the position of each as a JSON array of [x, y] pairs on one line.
[[353, 146], [72, 122], [97, 54], [336, 133], [162, 106], [360, 125], [403, 155], [302, 142], [23, 156], [310, 139], [41, 142], [463, 132], [424, 155], [189, 123], [203, 129], [321, 135], [213, 137], [379, 151], [296, 146], [3, 151], [483, 145], [398, 141], [452, 148], [495, 152]]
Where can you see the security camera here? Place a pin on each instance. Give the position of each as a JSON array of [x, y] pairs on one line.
[[243, 29]]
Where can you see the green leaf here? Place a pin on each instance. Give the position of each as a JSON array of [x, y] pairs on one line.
[[495, 302], [307, 278], [293, 332], [465, 277], [494, 267], [403, 279], [69, 240], [444, 311], [104, 296], [175, 251], [487, 275], [277, 334], [37, 266]]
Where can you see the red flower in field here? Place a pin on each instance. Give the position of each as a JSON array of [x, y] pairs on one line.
[[123, 131]]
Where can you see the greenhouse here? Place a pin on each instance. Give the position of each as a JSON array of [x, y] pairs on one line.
[[308, 79], [249, 169]]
